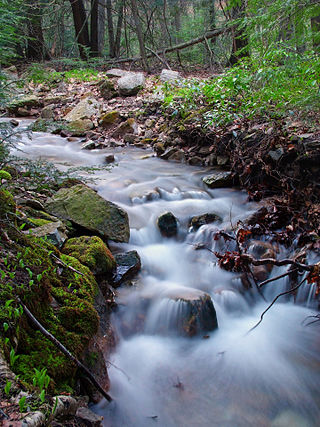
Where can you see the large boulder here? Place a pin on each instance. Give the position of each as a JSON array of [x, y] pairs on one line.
[[85, 109], [168, 224], [218, 179], [92, 252], [128, 265], [131, 83], [80, 127], [109, 119], [84, 207]]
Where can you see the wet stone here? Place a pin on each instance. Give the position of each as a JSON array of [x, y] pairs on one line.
[[168, 224], [218, 180], [128, 265], [197, 221]]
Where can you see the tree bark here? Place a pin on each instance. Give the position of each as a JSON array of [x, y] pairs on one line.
[[101, 25], [119, 29], [81, 27], [35, 47], [94, 28], [239, 38], [139, 35], [110, 29]]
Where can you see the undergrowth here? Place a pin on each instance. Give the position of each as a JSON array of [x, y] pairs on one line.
[[270, 87]]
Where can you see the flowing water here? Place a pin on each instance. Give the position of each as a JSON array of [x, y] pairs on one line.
[[229, 378]]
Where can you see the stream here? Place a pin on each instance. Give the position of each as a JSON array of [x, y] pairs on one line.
[[230, 378]]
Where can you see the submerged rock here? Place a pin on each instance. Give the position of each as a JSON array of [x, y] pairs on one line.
[[218, 179], [92, 252], [84, 207], [128, 265], [131, 83], [168, 224]]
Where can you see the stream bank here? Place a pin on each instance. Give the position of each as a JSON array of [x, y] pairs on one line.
[[145, 195]]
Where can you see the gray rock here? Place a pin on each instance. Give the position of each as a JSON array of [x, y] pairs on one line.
[[55, 232], [116, 72], [85, 109], [88, 145], [127, 127], [218, 180], [168, 152], [276, 154], [178, 156], [168, 224], [128, 265], [197, 221], [14, 122], [169, 75], [195, 161], [84, 207], [89, 418], [130, 84]]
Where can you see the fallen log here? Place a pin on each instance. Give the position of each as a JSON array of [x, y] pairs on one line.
[[209, 35]]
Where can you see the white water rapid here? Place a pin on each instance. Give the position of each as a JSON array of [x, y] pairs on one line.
[[267, 378]]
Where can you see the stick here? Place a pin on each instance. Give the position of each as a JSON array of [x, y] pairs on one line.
[[277, 277], [276, 298], [64, 350], [159, 57]]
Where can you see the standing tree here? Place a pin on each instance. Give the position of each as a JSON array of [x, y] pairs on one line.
[[138, 28], [239, 38], [35, 45], [80, 20]]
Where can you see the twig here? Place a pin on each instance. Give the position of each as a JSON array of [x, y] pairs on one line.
[[64, 350], [277, 277], [275, 299], [59, 261], [159, 57], [251, 260]]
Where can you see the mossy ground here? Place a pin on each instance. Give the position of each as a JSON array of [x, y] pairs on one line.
[[61, 298]]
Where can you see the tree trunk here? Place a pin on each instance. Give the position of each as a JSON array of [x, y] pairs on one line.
[[119, 28], [315, 25], [35, 47], [101, 25], [81, 27], [94, 28], [110, 30], [239, 38], [139, 35]]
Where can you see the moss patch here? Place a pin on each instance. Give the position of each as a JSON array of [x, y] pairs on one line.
[[92, 252]]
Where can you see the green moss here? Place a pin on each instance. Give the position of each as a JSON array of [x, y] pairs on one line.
[[7, 204], [110, 118], [60, 298], [38, 222], [92, 252]]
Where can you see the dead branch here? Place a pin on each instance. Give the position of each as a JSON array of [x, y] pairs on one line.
[[249, 259], [273, 279], [164, 62], [64, 350], [209, 35], [273, 302]]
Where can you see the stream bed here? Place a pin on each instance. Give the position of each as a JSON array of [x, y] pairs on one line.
[[229, 378]]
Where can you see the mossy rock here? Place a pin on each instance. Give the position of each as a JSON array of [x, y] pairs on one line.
[[92, 252], [80, 127], [110, 118], [23, 102], [7, 203], [48, 125], [84, 207], [107, 89]]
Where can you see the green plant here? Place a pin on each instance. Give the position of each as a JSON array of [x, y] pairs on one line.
[[7, 387], [13, 357], [22, 404]]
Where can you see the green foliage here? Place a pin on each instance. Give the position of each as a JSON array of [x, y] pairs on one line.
[[37, 73], [10, 20], [270, 86]]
